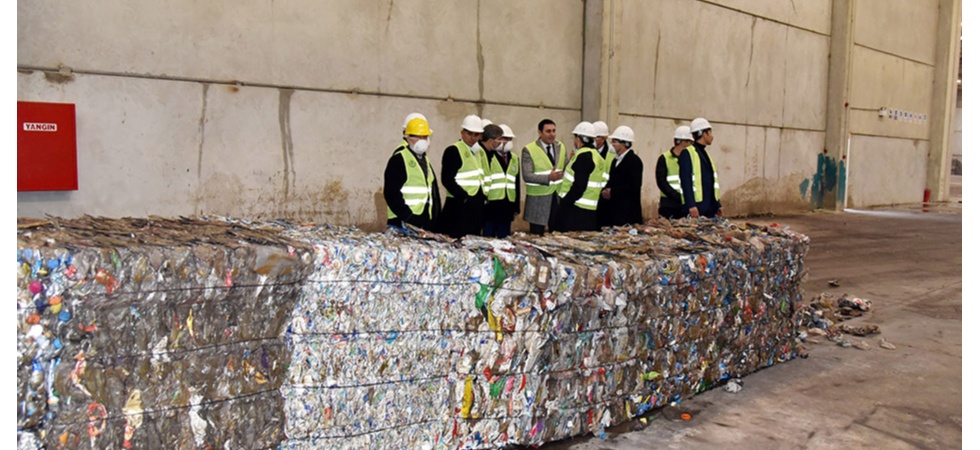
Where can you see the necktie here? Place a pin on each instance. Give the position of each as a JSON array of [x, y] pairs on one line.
[[551, 153]]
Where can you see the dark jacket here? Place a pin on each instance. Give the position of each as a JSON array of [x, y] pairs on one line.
[[625, 180], [462, 214], [503, 210], [671, 206], [570, 217], [709, 205], [395, 178]]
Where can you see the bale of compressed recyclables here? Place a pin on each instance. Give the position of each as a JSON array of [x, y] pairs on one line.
[[212, 332]]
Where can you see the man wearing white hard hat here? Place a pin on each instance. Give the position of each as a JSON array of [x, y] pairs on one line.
[[699, 176], [619, 203], [464, 175], [581, 185], [668, 175], [504, 196], [411, 191]]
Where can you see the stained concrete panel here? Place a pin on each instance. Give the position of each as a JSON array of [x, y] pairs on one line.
[[132, 161], [532, 54], [765, 84], [740, 69], [641, 39], [813, 15], [715, 82], [907, 28], [885, 171], [806, 71], [423, 48], [731, 157], [792, 185], [908, 87]]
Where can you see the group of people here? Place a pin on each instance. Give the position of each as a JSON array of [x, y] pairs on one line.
[[595, 184]]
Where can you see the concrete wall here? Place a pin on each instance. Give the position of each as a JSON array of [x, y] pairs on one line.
[[893, 68], [291, 109], [281, 109], [757, 70]]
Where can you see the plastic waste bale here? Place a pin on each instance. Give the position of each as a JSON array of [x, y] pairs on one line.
[[403, 342], [153, 333]]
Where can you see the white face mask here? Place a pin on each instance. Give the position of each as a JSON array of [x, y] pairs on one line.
[[508, 146], [420, 146], [475, 147], [499, 147]]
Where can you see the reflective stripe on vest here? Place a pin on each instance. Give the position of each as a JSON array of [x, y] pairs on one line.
[[543, 166], [471, 175], [696, 166], [417, 190], [607, 163], [674, 173], [590, 198], [503, 183]]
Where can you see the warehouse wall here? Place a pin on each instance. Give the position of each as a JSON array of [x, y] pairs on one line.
[[281, 109], [756, 70], [273, 109], [887, 158]]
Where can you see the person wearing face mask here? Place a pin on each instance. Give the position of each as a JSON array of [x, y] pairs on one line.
[[620, 199], [410, 188], [581, 185], [542, 168], [503, 197], [464, 175]]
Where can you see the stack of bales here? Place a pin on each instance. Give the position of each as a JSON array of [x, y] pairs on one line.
[[484, 343], [221, 333], [153, 333]]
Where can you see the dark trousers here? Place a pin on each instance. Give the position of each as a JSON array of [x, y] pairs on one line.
[[672, 212], [497, 228], [574, 218]]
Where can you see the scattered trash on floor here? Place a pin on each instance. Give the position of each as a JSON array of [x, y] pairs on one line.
[[825, 314], [734, 385], [862, 330], [886, 345]]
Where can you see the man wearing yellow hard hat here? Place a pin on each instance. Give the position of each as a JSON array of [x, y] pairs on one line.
[[411, 190]]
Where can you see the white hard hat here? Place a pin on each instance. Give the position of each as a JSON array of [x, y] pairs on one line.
[[585, 129], [683, 133], [487, 122], [623, 133], [699, 124], [601, 129], [473, 123], [507, 131], [411, 116]]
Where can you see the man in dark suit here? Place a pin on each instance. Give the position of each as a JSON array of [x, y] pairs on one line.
[[621, 196]]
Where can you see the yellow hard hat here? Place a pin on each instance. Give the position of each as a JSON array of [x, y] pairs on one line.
[[417, 127]]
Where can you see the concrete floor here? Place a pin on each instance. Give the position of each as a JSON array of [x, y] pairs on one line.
[[908, 263]]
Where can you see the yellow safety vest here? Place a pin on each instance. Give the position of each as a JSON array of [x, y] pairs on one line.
[[590, 198], [417, 190], [543, 166], [472, 174], [607, 162], [503, 183], [696, 166], [673, 173]]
